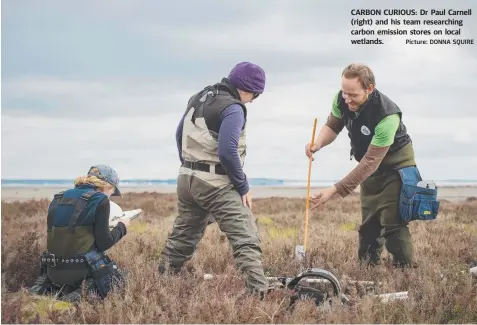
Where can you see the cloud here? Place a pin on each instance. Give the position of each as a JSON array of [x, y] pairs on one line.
[[144, 147], [38, 147], [110, 83], [92, 99]]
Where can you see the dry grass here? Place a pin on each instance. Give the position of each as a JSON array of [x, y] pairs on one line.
[[439, 291]]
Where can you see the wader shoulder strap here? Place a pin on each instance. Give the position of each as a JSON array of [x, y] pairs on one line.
[[51, 214], [79, 207], [199, 111]]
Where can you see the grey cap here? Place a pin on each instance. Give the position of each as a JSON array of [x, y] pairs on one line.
[[107, 174]]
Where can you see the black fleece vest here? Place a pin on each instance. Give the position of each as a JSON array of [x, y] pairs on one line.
[[211, 101], [361, 125]]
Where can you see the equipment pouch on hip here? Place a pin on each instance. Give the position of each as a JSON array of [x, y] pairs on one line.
[[418, 198], [105, 273]]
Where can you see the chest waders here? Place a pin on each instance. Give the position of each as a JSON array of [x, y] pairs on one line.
[[390, 197], [417, 198], [101, 272]]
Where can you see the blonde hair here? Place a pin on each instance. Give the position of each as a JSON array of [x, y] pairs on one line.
[[93, 180], [364, 73]]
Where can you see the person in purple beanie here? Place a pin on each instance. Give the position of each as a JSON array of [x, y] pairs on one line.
[[211, 141]]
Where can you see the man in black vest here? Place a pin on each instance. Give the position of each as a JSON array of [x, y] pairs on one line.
[[381, 145]]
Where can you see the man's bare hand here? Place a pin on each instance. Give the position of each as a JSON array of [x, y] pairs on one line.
[[322, 197], [309, 150], [247, 200]]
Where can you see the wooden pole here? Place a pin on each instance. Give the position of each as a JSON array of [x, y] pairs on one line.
[[308, 185]]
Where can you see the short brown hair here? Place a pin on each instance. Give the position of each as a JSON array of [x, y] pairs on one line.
[[363, 72]]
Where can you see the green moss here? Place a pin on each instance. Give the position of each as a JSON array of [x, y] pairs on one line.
[[265, 220], [275, 232], [139, 227], [34, 305], [348, 226], [470, 228]]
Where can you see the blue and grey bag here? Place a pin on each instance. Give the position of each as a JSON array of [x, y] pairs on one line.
[[105, 272], [418, 198]]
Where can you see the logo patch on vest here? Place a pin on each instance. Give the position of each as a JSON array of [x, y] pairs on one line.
[[365, 130]]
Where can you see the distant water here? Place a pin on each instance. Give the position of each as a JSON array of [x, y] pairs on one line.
[[257, 182]]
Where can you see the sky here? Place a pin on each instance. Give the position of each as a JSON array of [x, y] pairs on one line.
[[88, 82]]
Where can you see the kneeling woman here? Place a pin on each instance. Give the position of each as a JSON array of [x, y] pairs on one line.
[[78, 236]]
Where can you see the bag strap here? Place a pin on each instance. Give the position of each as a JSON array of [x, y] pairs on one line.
[[54, 204], [79, 207]]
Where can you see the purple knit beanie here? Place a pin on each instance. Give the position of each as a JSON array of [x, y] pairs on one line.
[[248, 77]]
